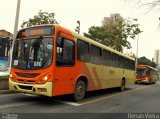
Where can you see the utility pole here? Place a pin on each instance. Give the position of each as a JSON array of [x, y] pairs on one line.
[[16, 19], [137, 51], [15, 30], [159, 21]]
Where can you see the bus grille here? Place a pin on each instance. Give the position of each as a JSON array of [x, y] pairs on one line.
[[25, 87], [27, 75], [26, 81]]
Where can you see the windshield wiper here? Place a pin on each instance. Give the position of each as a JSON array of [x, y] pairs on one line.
[[38, 41]]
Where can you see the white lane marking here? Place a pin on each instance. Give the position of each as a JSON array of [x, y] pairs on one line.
[[4, 95], [60, 101], [158, 82], [69, 103], [30, 95], [15, 105]]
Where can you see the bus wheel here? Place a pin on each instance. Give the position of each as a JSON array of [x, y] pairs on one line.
[[122, 85], [150, 81], [154, 81], [80, 90]]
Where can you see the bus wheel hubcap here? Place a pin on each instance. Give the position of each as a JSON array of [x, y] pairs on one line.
[[80, 90]]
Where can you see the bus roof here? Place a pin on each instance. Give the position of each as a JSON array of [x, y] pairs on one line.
[[85, 39], [145, 66]]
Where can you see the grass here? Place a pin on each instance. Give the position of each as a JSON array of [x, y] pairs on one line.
[[4, 77]]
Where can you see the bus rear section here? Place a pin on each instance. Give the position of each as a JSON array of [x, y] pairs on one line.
[[146, 74]]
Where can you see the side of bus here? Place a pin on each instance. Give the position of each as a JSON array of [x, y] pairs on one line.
[[84, 65]]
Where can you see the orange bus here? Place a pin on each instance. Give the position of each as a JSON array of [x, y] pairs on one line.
[[146, 74], [51, 60]]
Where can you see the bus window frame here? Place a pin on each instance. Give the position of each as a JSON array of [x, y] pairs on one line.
[[85, 55], [73, 53]]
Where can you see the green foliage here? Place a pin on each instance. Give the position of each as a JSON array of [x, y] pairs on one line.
[[40, 18], [97, 33], [144, 61], [116, 33]]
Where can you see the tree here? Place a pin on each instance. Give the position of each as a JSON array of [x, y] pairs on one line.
[[151, 4], [97, 33], [40, 18], [144, 61], [115, 34]]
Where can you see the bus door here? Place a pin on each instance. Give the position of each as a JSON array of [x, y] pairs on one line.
[[65, 61]]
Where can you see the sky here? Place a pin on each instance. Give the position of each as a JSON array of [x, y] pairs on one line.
[[89, 13]]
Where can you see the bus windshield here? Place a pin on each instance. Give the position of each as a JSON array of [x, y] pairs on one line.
[[32, 53], [143, 72]]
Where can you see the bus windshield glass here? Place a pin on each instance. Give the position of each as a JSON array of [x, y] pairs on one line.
[[143, 72], [32, 53]]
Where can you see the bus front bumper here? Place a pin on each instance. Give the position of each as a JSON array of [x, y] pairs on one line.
[[37, 89], [143, 81]]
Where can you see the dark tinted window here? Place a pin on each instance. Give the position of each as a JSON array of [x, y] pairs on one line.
[[115, 60], [96, 54], [106, 58], [83, 50], [65, 52]]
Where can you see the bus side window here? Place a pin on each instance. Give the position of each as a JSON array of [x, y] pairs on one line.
[[59, 47], [95, 53], [106, 58], [65, 52], [83, 51]]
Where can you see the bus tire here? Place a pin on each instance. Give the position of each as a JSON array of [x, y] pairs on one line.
[[79, 91], [155, 80], [122, 88], [150, 81]]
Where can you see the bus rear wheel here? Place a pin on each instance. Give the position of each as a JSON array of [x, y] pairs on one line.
[[79, 91]]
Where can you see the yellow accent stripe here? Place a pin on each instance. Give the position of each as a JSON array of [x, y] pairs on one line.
[[106, 97]]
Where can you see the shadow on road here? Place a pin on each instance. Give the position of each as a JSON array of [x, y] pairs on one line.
[[92, 94], [43, 100]]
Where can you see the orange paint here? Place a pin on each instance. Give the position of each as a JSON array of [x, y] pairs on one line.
[[146, 74]]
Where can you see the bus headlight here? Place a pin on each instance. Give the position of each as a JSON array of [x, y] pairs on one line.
[[45, 79], [146, 78], [11, 77]]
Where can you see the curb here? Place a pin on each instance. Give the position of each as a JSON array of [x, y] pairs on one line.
[[2, 92]]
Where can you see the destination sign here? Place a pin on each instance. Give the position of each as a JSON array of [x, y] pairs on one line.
[[36, 31]]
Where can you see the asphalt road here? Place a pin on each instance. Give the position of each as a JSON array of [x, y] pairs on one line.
[[137, 100]]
